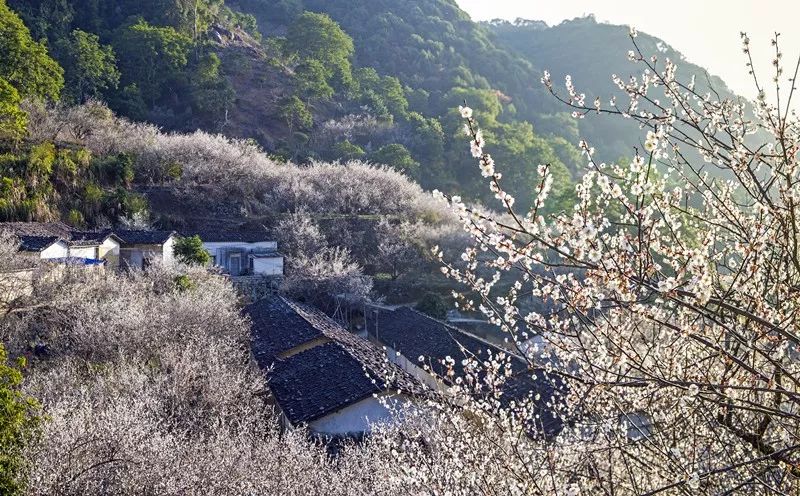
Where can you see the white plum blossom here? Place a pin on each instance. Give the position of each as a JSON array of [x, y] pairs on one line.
[[666, 296], [651, 142]]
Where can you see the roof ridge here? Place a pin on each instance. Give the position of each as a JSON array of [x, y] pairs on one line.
[[300, 309], [466, 333]]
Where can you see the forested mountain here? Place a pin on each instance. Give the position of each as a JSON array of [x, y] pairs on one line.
[[375, 80], [591, 53]]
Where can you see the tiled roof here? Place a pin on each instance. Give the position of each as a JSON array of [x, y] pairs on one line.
[[414, 334], [321, 380], [143, 237], [241, 234], [33, 234], [90, 238], [40, 229], [36, 243], [324, 378], [276, 327]]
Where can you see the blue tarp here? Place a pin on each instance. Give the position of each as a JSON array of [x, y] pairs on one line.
[[78, 261]]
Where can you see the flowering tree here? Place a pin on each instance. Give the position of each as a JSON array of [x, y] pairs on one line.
[[670, 289]]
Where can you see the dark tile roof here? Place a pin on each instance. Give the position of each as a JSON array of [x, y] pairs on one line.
[[90, 238], [37, 232], [321, 380], [277, 327], [324, 378], [40, 229], [414, 334], [36, 243], [143, 237], [242, 234]]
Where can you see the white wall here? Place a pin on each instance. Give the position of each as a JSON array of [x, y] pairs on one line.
[[272, 266], [355, 418], [168, 252], [56, 250], [134, 256], [83, 251], [131, 258], [213, 247], [109, 251], [221, 251], [414, 369]]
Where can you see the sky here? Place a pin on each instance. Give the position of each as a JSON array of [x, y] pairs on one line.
[[705, 31]]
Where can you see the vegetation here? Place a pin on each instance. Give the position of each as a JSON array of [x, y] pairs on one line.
[[25, 63], [402, 65], [90, 68], [190, 251], [666, 302], [434, 305], [19, 422], [659, 295]]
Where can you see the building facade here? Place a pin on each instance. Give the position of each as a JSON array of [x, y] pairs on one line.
[[242, 251], [140, 249], [58, 242]]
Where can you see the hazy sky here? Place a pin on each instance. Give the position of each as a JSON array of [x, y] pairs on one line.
[[705, 31]]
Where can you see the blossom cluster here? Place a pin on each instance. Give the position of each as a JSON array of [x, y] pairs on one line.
[[666, 297]]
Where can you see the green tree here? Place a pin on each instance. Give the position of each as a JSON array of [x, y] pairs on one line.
[[25, 63], [189, 250], [46, 19], [151, 57], [318, 37], [434, 305], [312, 80], [397, 156], [295, 113], [13, 120], [212, 93], [90, 67], [383, 95], [346, 150], [19, 423]]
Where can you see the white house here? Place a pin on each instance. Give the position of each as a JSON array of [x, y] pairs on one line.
[[240, 252], [59, 242], [140, 248], [46, 247], [322, 376]]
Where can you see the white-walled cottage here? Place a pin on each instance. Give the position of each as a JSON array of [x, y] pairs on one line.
[[241, 252], [58, 242], [322, 376], [141, 248]]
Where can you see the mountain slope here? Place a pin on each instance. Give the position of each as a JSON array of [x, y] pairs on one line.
[[591, 52], [382, 84]]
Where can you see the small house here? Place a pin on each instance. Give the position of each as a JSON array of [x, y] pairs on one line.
[[58, 242], [141, 248], [322, 376], [242, 252], [409, 335]]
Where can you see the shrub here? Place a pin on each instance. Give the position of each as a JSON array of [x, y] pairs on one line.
[[190, 251], [434, 305], [19, 423]]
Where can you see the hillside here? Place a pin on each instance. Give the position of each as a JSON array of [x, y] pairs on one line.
[[591, 52], [340, 80]]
